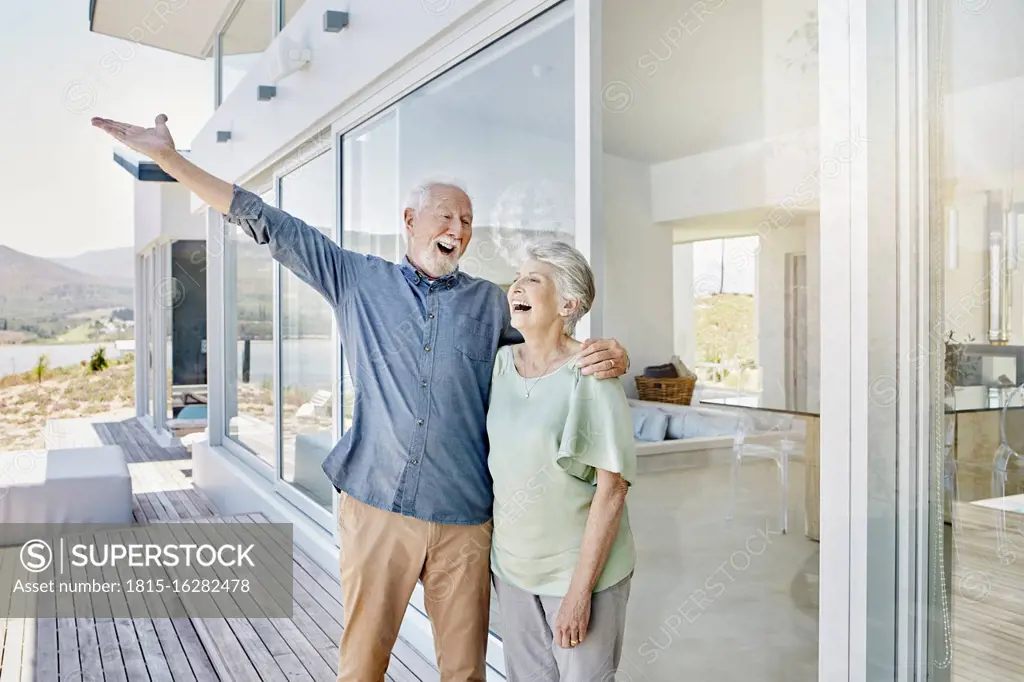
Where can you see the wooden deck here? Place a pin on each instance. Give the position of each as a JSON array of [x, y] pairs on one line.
[[304, 647]]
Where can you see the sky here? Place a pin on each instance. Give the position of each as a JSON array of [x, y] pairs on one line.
[[61, 192]]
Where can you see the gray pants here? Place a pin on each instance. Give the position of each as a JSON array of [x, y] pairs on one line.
[[531, 654]]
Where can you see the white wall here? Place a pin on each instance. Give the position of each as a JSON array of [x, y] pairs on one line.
[[771, 305], [176, 218], [146, 214], [638, 304], [163, 212]]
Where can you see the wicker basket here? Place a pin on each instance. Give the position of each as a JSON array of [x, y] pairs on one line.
[[678, 391]]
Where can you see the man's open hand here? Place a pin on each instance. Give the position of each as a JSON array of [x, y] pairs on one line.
[[152, 142], [604, 358]]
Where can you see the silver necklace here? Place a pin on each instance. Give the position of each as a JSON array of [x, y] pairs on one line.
[[526, 384]]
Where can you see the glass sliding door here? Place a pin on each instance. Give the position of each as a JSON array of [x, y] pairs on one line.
[[710, 183], [249, 338], [975, 424], [501, 123], [308, 352]]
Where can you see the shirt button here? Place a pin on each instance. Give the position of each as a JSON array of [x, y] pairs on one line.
[[431, 315], [423, 384], [414, 461], [420, 422], [426, 348]]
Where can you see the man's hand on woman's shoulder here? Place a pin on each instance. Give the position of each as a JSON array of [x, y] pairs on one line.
[[604, 358]]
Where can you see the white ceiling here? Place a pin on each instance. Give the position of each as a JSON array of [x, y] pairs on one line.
[[188, 29]]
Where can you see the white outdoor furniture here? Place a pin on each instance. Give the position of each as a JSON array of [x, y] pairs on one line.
[[316, 407], [76, 485], [311, 449]]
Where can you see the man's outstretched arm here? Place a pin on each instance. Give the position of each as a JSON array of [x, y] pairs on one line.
[[311, 255], [157, 144]]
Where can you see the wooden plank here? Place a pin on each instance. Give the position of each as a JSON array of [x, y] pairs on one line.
[[326, 591], [139, 646], [300, 632], [251, 642], [68, 660], [246, 602], [196, 655], [162, 605], [88, 642], [9, 559], [225, 652], [293, 668], [46, 635], [106, 631], [15, 625]]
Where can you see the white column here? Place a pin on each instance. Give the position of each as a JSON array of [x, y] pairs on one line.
[[140, 336], [862, 369], [587, 44], [685, 337], [161, 301], [215, 335], [836, 200]]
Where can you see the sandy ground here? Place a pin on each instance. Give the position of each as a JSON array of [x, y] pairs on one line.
[[25, 407]]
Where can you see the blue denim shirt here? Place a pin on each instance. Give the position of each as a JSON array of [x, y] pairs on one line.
[[420, 353]]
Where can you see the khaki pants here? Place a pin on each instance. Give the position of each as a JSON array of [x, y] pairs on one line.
[[383, 554]]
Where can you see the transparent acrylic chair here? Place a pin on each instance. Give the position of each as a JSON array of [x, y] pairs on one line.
[[782, 443], [951, 480], [1005, 455]]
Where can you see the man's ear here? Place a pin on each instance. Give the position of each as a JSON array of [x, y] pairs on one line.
[[409, 217]]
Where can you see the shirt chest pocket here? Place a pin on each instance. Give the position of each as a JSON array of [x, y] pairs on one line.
[[474, 338]]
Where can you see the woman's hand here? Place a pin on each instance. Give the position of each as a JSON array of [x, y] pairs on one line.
[[573, 619]]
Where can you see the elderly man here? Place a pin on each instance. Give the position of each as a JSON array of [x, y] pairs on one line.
[[420, 337]]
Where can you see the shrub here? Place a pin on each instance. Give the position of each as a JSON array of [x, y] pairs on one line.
[[42, 364], [98, 361]]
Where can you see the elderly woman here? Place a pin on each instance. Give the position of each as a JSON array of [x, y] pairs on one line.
[[562, 460]]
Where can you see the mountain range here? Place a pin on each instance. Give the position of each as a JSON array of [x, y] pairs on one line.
[[34, 289], [117, 263]]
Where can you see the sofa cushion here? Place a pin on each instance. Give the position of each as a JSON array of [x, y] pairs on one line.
[[676, 426], [649, 424], [703, 425]]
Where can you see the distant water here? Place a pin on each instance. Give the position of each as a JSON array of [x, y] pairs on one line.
[[17, 358], [306, 362]]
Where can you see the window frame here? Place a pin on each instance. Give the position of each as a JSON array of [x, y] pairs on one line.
[[323, 517], [229, 291]]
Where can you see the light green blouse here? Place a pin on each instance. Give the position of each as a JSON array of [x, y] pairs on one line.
[[545, 450]]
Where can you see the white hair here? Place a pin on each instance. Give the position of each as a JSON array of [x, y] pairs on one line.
[[420, 194], [574, 280]]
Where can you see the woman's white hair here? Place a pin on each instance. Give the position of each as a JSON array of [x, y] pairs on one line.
[[574, 280], [420, 194]]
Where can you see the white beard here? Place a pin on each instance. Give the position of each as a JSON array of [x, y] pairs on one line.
[[440, 263]]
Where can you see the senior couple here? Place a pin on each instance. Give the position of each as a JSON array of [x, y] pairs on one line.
[[470, 401]]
